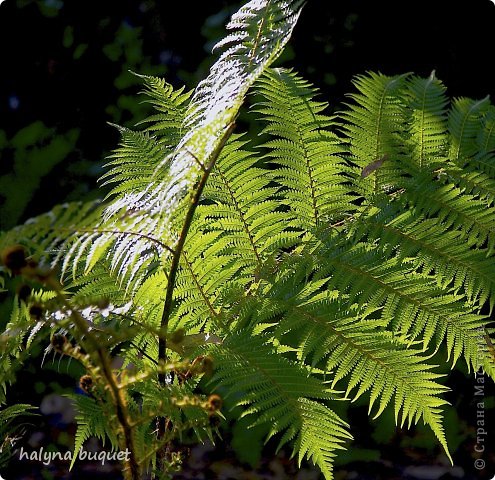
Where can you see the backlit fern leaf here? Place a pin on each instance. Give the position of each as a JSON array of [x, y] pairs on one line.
[[280, 393], [351, 345], [413, 304], [243, 204], [370, 125], [465, 120], [171, 106], [305, 152], [259, 31], [436, 250], [454, 208], [132, 164], [346, 250], [91, 421], [426, 120]]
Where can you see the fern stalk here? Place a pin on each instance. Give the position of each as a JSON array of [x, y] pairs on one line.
[[101, 359], [172, 274]]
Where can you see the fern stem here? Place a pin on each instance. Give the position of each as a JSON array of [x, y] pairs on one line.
[[167, 307], [132, 470], [212, 310]]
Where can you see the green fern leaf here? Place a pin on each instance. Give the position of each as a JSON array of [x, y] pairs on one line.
[[281, 394]]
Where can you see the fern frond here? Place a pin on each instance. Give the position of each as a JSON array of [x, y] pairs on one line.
[[484, 159], [281, 394], [413, 303], [198, 285], [473, 182], [371, 124], [455, 208], [133, 163], [91, 421], [171, 106], [426, 118], [98, 285], [10, 413], [17, 338], [43, 236], [242, 203], [434, 249], [10, 429], [260, 30], [465, 120], [322, 326], [305, 152]]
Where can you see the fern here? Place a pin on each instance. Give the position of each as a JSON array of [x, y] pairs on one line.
[[10, 430], [280, 393], [333, 252], [91, 422], [304, 150], [259, 31], [352, 344]]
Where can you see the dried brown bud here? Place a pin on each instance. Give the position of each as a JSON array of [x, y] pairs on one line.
[[23, 292], [32, 263], [59, 341], [14, 258], [86, 383], [371, 167], [36, 311], [214, 402]]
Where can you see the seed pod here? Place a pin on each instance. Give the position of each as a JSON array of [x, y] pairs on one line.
[[58, 342], [14, 258], [32, 263], [214, 402], [36, 311], [86, 383]]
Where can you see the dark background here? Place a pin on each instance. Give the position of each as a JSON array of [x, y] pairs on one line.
[[64, 74]]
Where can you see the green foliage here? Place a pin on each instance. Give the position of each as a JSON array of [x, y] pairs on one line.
[[35, 151], [280, 392], [11, 430], [91, 421], [338, 252]]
